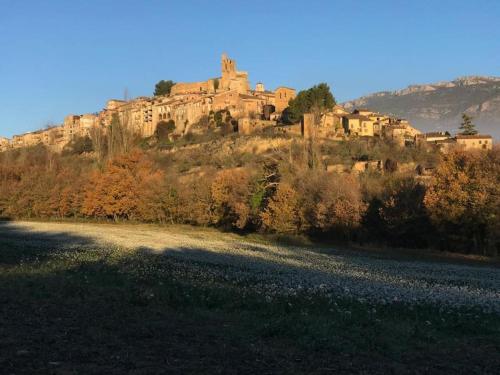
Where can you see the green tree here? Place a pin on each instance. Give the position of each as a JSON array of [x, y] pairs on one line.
[[390, 165], [163, 129], [78, 146], [163, 87], [404, 215], [221, 117], [317, 99], [467, 127]]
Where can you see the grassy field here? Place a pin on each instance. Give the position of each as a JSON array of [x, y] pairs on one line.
[[115, 299]]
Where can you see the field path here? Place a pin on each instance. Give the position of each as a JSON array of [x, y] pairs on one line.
[[279, 269]]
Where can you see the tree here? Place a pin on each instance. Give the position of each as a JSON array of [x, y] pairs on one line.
[[194, 199], [120, 137], [467, 127], [331, 203], [463, 200], [79, 145], [99, 141], [317, 99], [227, 128], [282, 213], [404, 216], [390, 165], [163, 129], [130, 187], [221, 117], [231, 192], [163, 87]]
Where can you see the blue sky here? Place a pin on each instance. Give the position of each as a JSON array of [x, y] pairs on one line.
[[59, 56]]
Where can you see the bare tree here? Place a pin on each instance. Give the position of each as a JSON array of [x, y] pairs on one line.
[[98, 136], [120, 135]]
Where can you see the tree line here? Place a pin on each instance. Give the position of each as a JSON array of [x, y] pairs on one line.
[[457, 210]]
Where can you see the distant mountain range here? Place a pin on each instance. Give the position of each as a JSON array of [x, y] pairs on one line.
[[439, 106]]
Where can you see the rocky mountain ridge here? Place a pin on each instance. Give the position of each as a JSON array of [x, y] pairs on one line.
[[439, 106]]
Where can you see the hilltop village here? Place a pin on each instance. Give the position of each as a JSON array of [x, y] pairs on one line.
[[252, 110], [221, 153]]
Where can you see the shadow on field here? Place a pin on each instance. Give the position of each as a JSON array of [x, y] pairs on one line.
[[17, 244], [68, 305]]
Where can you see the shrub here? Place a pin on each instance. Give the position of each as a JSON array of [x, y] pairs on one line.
[[282, 213], [463, 200], [78, 146], [331, 203], [231, 191], [163, 130], [128, 188]]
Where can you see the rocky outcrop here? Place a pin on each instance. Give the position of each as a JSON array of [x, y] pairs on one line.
[[439, 106]]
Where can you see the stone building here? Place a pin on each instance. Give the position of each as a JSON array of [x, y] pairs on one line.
[[474, 142], [79, 126], [446, 145], [232, 79], [434, 136], [283, 95], [357, 124], [186, 105], [4, 144], [247, 126], [194, 88], [325, 126]]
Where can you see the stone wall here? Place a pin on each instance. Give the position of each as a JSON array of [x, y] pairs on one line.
[[193, 87], [225, 100], [247, 126], [308, 128], [475, 142], [282, 96]]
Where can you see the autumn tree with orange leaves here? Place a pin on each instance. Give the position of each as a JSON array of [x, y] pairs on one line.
[[129, 187], [464, 201], [282, 214], [231, 191]]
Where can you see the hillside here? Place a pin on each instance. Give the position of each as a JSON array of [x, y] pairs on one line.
[[438, 106]]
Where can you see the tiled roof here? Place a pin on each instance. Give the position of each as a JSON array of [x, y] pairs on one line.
[[355, 116], [436, 134], [476, 136]]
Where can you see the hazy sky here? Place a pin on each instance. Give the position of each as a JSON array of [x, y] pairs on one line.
[[68, 56]]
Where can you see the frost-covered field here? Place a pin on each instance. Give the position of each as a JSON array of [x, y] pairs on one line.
[[207, 256]]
